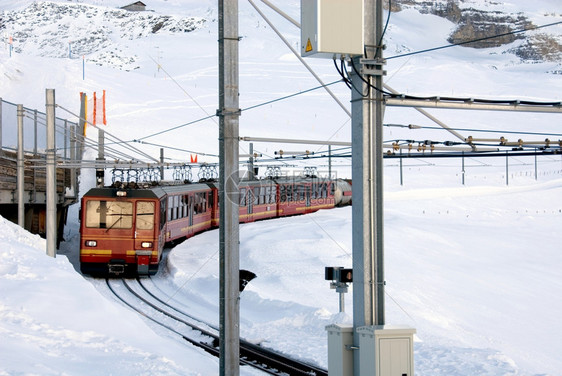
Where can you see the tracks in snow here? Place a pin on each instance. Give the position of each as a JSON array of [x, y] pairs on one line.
[[135, 294]]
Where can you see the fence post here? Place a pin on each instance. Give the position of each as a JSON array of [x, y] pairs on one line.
[[535, 163], [506, 168], [462, 173], [51, 175]]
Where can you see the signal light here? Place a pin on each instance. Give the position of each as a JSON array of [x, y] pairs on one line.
[[346, 276], [146, 244]]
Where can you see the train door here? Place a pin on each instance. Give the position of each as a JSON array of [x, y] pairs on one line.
[[145, 243], [307, 194]]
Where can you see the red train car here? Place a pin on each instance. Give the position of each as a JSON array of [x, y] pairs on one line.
[[123, 229]]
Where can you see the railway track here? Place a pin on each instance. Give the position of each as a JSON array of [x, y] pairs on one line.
[[134, 294]]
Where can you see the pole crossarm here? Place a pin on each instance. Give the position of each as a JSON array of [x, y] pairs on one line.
[[469, 104]]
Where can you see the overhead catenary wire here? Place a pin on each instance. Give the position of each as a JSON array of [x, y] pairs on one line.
[[125, 144]]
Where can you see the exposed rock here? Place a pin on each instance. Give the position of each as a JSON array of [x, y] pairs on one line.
[[478, 25], [50, 29]]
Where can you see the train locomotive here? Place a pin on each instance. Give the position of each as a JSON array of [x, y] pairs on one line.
[[124, 227]]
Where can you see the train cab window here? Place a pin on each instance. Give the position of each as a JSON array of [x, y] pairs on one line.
[[109, 214], [145, 215]]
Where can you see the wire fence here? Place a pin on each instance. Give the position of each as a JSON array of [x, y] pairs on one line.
[[34, 130]]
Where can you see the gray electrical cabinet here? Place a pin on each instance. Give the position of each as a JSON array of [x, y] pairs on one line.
[[386, 350], [331, 28]]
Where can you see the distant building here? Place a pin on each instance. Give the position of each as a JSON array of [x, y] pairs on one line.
[[137, 6]]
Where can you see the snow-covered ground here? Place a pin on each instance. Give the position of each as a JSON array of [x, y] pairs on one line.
[[474, 268]]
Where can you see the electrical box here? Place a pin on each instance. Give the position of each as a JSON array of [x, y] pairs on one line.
[[386, 350], [331, 28], [340, 355]]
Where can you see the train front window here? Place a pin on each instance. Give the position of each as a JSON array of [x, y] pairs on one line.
[[145, 215], [109, 214]]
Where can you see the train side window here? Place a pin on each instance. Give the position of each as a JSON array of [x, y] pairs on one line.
[[145, 215], [300, 190], [289, 193], [170, 207], [282, 193], [162, 212], [242, 196], [324, 190], [256, 195], [211, 199], [273, 195]]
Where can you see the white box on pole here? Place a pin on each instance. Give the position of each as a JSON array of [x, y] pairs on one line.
[[331, 28], [386, 350], [340, 356]]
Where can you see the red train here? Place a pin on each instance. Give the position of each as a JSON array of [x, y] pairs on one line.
[[124, 228]]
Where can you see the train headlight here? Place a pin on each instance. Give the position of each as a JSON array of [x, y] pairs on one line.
[[146, 244], [121, 193], [91, 243]]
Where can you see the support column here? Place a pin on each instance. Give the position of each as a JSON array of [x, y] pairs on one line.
[[20, 169], [229, 113], [51, 175], [367, 173]]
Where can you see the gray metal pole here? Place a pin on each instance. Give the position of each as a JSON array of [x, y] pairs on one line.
[[161, 163], [463, 168], [51, 175], [1, 102], [35, 132], [329, 161], [82, 124], [100, 172], [20, 168], [66, 139], [367, 190], [229, 113], [401, 170], [251, 162], [536, 176], [506, 168], [73, 175]]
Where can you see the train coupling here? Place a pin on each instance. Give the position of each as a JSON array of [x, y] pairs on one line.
[[143, 261], [116, 269]]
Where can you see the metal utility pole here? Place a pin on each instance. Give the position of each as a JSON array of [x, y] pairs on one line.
[[20, 169], [73, 175], [161, 163], [367, 173], [229, 113], [51, 175], [100, 171]]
